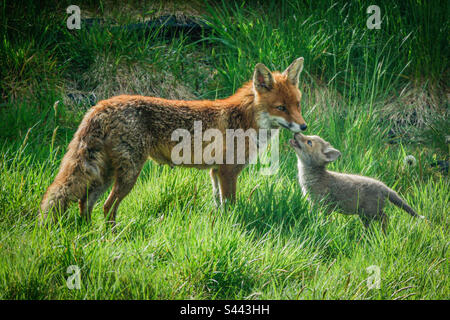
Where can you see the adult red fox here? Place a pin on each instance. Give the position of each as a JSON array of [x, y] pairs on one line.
[[118, 135]]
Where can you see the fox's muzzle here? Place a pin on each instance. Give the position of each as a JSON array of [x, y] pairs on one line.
[[295, 127], [300, 123]]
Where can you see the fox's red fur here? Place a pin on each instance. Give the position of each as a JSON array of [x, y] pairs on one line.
[[118, 135]]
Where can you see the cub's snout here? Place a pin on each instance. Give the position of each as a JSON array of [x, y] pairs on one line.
[[296, 141]]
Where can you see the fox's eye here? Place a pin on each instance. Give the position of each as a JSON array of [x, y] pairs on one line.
[[282, 108], [309, 143]]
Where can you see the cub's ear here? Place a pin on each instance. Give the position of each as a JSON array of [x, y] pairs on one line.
[[331, 154], [262, 78], [293, 71]]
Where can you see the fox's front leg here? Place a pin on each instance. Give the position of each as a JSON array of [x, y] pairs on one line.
[[215, 185], [228, 175]]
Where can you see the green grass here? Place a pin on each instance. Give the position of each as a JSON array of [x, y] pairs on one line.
[[171, 241]]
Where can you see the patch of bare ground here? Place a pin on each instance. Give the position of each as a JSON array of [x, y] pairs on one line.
[[415, 105], [146, 10], [106, 78], [419, 113]]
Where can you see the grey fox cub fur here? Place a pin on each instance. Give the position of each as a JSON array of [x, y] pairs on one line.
[[348, 193]]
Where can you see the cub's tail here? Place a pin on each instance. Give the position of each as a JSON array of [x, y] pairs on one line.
[[399, 202]]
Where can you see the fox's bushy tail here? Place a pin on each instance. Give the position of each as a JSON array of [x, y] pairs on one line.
[[55, 200], [81, 165], [399, 202]]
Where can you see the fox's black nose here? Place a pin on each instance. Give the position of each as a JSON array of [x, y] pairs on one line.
[[303, 127]]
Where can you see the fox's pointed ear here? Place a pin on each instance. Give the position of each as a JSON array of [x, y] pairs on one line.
[[331, 154], [262, 78], [293, 71]]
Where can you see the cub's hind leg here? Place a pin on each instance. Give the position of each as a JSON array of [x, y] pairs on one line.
[[384, 219], [365, 220], [381, 216]]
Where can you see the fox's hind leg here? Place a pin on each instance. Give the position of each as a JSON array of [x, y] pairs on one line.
[[88, 201], [121, 188], [125, 178]]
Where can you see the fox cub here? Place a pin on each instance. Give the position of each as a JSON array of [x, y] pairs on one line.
[[348, 193], [118, 135]]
